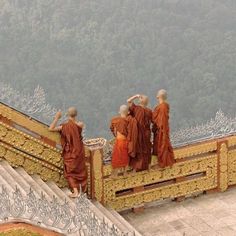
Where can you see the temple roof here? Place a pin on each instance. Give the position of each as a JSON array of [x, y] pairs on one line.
[[33, 201]]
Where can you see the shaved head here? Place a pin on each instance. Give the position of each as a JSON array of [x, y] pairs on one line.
[[143, 100], [72, 112], [124, 110], [162, 94]]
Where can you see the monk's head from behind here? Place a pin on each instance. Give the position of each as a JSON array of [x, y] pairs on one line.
[[143, 100], [72, 112], [124, 110], [162, 95]]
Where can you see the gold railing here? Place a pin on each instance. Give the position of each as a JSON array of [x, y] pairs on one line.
[[198, 168]]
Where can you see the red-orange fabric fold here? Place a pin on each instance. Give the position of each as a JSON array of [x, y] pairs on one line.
[[143, 116], [161, 145], [73, 155], [125, 131]]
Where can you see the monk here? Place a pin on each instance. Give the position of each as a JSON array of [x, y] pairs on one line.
[[124, 128], [143, 115], [161, 145], [73, 151]]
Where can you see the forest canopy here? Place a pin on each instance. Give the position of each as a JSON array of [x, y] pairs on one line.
[[95, 54]]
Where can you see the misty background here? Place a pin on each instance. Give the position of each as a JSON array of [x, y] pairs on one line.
[[94, 54]]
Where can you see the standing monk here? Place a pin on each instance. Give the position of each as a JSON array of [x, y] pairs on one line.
[[73, 151], [143, 115], [161, 144], [124, 128]]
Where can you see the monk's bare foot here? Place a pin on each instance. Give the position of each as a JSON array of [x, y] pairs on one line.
[[134, 171], [74, 195]]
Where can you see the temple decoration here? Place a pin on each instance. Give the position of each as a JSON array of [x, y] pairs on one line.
[[34, 105], [59, 217], [95, 143], [218, 127]]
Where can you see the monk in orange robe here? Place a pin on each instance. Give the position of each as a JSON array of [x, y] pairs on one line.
[[73, 151], [143, 115], [124, 128], [161, 145]]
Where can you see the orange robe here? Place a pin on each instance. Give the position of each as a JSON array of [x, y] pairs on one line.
[[73, 155], [143, 116], [161, 144], [125, 143]]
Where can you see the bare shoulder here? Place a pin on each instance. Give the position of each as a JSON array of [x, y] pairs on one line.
[[80, 124]]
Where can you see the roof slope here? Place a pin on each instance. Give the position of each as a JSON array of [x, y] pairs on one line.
[[29, 199]]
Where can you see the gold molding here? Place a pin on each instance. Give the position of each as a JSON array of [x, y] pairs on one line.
[[232, 141], [196, 149], [29, 144], [32, 165], [98, 176], [232, 167], [30, 124], [223, 163]]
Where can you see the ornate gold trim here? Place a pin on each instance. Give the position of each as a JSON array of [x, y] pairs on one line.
[[232, 167], [232, 141], [196, 149], [26, 122], [32, 165], [98, 176], [223, 163], [206, 165], [29, 144]]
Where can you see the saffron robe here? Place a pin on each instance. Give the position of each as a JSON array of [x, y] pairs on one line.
[[124, 146], [143, 116], [161, 145], [73, 155]]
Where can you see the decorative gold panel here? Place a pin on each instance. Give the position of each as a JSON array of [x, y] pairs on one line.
[[29, 144], [28, 123], [107, 168], [32, 165], [223, 162], [232, 141], [232, 167], [196, 149], [98, 178], [170, 190]]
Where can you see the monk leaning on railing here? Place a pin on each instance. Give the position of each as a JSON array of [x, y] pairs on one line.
[[73, 151]]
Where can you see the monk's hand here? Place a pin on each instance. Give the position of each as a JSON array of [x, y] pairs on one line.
[[58, 115]]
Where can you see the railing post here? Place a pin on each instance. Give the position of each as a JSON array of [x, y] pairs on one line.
[[97, 175], [222, 151]]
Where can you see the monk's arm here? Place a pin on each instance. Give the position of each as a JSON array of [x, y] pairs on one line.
[[53, 127], [131, 99]]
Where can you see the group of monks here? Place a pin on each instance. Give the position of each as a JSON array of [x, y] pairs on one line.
[[133, 131], [133, 146]]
